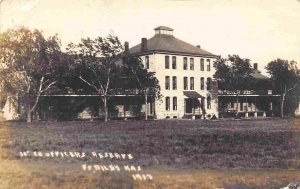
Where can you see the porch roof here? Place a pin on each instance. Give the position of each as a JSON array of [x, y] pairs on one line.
[[192, 94]]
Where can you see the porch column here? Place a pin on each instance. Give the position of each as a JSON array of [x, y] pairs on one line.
[[203, 107], [255, 113], [255, 103], [124, 110], [199, 99]]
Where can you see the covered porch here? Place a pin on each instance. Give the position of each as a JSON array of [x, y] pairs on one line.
[[194, 107], [248, 105], [131, 107], [73, 107]]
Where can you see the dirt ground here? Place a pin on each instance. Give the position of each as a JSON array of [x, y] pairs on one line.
[[262, 153]]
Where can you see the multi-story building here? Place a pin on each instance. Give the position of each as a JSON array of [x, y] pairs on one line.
[[185, 74]]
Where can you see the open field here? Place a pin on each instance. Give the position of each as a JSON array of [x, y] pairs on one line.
[[177, 153]]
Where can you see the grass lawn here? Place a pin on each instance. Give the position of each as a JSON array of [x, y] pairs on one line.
[[176, 153]]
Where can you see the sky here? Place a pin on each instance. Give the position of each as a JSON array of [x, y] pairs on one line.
[[261, 30]]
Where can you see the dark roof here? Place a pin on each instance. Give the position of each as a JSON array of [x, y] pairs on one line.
[[163, 28], [192, 94], [169, 43], [257, 75]]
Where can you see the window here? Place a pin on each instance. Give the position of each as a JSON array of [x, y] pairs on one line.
[[208, 83], [208, 64], [191, 63], [167, 82], [202, 64], [202, 83], [208, 102], [174, 62], [174, 78], [185, 83], [167, 103], [191, 83], [167, 62], [174, 103], [147, 62], [184, 63]]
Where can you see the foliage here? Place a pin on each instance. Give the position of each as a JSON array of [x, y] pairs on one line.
[[233, 74], [94, 62], [286, 82], [3, 94], [32, 63], [143, 80]]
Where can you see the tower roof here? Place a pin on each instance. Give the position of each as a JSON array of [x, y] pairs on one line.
[[163, 28], [169, 44]]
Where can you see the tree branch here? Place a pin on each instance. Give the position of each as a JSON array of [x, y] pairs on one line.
[[295, 86], [107, 82], [88, 83], [38, 95], [46, 81], [52, 83]]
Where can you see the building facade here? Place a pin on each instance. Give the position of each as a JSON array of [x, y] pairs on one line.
[[185, 74], [257, 100]]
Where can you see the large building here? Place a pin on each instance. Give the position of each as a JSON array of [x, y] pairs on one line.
[[185, 73]]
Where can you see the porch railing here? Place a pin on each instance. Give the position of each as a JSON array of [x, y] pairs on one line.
[[245, 92]]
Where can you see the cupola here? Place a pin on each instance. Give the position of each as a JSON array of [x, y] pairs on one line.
[[163, 30]]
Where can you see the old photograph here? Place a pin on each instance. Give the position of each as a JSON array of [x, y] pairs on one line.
[[153, 94]]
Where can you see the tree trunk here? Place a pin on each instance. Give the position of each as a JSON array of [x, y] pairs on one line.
[[29, 114], [282, 104], [105, 109], [237, 104], [146, 103], [30, 110]]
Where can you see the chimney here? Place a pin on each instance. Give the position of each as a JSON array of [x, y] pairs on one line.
[[255, 66], [126, 46], [198, 46], [144, 45]]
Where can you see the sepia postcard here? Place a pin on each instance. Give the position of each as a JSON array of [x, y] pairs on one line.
[[153, 94]]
